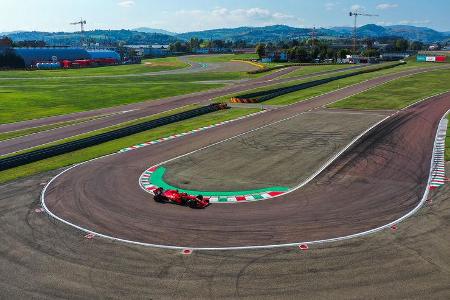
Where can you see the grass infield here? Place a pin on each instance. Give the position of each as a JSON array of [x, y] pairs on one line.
[[116, 145], [27, 98], [34, 101], [399, 93], [28, 131], [148, 65]]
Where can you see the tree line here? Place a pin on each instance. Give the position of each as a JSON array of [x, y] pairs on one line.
[[196, 43], [8, 59], [310, 50]]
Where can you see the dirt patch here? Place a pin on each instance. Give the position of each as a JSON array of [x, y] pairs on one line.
[[283, 154]]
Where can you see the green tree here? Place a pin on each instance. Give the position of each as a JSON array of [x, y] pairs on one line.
[[401, 45], [416, 46], [195, 43], [302, 55], [331, 53], [261, 50], [10, 60], [218, 44], [371, 53], [342, 53], [31, 44]]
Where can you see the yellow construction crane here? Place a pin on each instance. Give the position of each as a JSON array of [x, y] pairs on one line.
[[355, 14], [81, 23]]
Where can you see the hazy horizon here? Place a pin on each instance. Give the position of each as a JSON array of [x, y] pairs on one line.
[[184, 16]]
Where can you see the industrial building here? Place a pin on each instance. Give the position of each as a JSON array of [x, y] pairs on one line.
[[42, 57], [103, 54], [150, 50]]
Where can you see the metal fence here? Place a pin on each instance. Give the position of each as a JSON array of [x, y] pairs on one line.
[[36, 155], [270, 94]]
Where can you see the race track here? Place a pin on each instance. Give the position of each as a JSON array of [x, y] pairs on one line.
[[378, 180], [120, 114]]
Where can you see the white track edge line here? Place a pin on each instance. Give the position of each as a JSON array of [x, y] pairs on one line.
[[310, 178], [315, 174], [410, 213]]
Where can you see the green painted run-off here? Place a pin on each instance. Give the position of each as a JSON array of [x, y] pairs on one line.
[[158, 175]]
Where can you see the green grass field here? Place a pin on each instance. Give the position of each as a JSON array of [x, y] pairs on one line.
[[328, 87], [33, 101], [399, 93], [411, 63], [30, 98], [218, 58], [27, 131], [107, 129], [148, 65], [114, 146], [139, 79]]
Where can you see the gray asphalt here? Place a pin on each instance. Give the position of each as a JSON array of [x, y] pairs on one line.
[[44, 259], [379, 179]]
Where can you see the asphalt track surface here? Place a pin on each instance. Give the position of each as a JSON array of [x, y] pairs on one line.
[[45, 259], [378, 180], [138, 110]]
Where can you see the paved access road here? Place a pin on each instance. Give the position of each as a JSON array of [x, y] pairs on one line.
[[378, 180], [138, 110]]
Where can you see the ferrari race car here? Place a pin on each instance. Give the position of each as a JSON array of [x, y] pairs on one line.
[[172, 196]]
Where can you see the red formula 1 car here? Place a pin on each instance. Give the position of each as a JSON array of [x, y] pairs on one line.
[[172, 196]]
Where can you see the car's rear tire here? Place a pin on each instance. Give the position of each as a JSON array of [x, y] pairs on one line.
[[192, 204], [158, 198]]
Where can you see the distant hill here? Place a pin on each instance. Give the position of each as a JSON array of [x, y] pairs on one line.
[[8, 33], [104, 36], [153, 30], [254, 34], [282, 32], [372, 30], [342, 30], [416, 33], [272, 33]]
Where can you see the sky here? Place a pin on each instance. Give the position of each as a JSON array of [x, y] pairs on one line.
[[192, 15]]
